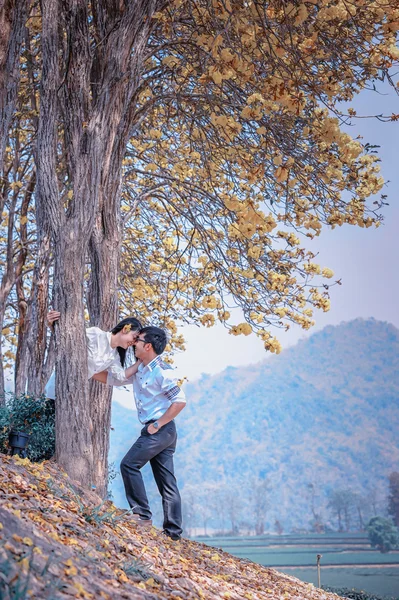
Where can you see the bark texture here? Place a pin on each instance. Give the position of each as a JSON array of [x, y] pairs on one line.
[[13, 15], [90, 89]]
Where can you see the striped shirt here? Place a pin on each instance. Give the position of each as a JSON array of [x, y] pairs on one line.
[[155, 388]]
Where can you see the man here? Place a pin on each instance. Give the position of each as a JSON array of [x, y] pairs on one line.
[[159, 399]]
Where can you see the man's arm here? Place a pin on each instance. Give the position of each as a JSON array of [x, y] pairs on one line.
[[170, 414]]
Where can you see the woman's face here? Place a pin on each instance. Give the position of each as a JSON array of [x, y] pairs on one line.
[[128, 339]]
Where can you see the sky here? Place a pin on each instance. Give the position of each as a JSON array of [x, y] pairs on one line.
[[366, 260]]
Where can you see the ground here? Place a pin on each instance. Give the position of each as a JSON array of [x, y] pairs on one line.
[[59, 541]]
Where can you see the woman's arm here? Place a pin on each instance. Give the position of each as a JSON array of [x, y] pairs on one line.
[[104, 375], [132, 370], [52, 316], [101, 377]]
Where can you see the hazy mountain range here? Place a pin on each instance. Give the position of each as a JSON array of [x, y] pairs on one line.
[[325, 412]]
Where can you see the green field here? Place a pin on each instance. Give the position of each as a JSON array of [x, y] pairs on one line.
[[347, 560]]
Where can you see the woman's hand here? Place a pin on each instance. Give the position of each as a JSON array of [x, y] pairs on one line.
[[132, 370], [52, 316]]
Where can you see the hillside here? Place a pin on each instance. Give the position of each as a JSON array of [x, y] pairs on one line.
[[325, 413], [57, 542]]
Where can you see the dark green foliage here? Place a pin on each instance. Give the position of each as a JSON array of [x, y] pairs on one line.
[[393, 498], [356, 594], [4, 427], [35, 416], [383, 534]]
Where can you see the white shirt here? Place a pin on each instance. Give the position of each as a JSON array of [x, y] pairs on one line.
[[100, 357], [156, 387]]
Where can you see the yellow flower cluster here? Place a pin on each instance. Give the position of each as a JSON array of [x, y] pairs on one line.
[[241, 329], [208, 320], [328, 273], [271, 344], [321, 301], [210, 302], [312, 268]]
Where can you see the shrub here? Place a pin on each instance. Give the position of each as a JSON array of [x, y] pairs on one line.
[[353, 594], [35, 416], [383, 534]]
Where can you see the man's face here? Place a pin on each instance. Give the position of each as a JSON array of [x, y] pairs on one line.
[[140, 346]]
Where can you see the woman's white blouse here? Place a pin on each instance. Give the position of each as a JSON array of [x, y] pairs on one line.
[[100, 357]]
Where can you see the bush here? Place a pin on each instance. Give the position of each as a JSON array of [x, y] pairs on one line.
[[35, 416], [383, 534], [355, 594]]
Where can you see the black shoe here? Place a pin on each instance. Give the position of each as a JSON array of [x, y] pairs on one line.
[[172, 536], [138, 520]]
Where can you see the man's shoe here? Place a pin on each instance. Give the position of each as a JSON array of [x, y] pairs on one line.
[[172, 536], [143, 523], [138, 520]]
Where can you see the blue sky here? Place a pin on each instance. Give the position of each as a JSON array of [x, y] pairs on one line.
[[365, 259]]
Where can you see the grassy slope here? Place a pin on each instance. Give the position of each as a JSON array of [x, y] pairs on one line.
[[56, 543]]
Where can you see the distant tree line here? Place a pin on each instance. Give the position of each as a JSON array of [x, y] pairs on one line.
[[242, 508], [239, 509]]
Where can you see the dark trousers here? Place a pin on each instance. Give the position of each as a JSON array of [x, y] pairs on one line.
[[158, 449]]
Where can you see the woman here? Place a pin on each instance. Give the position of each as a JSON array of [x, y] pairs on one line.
[[106, 350]]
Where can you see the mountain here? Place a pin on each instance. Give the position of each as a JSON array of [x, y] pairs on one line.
[[321, 417]]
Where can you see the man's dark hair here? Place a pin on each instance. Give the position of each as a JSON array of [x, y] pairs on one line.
[[156, 337]]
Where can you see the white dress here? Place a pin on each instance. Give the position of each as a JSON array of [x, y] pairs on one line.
[[100, 357]]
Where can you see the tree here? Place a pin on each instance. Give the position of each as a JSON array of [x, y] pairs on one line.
[[360, 503], [278, 528], [342, 503], [317, 521], [13, 14], [383, 534], [393, 498], [195, 144], [233, 504], [260, 490]]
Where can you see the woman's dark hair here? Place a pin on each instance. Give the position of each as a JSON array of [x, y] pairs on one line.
[[156, 337], [135, 326]]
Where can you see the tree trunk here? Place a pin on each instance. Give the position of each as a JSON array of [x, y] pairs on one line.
[[37, 334], [74, 448], [361, 522], [13, 15], [347, 519], [92, 100], [2, 381], [6, 285], [102, 301], [103, 309], [21, 359], [100, 416], [259, 528]]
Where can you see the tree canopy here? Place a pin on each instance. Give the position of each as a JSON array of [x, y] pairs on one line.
[[171, 159]]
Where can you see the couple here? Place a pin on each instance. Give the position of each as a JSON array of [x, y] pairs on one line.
[[159, 400]]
